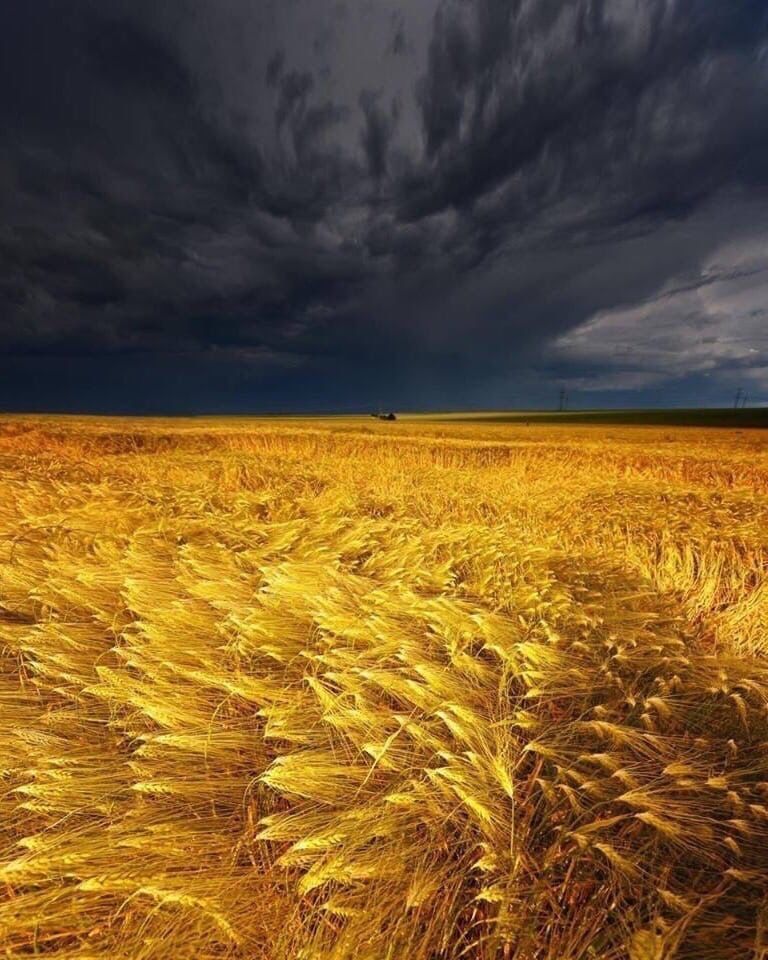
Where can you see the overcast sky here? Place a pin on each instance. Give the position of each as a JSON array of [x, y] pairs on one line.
[[244, 205]]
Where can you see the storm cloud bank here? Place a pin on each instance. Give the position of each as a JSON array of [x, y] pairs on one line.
[[246, 204]]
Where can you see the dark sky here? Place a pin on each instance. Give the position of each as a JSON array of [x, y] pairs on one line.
[[245, 205]]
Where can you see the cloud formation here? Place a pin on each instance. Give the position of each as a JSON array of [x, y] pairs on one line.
[[713, 324], [301, 204]]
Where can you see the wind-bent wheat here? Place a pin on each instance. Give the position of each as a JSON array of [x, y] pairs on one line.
[[308, 690]]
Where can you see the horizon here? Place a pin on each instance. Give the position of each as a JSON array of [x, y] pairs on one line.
[[470, 415]]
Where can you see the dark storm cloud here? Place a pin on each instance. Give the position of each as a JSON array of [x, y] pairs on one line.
[[377, 133], [275, 68], [295, 87], [442, 198], [398, 43], [649, 106]]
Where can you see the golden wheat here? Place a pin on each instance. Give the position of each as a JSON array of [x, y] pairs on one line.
[[324, 690]]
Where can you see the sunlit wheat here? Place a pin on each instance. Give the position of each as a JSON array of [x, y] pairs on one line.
[[300, 690]]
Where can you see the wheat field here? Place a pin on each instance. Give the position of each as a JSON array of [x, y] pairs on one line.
[[336, 689]]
